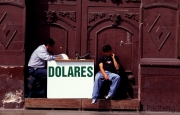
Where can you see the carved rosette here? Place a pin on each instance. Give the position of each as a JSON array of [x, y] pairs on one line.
[[49, 15], [134, 16], [115, 18], [69, 14], [92, 16]]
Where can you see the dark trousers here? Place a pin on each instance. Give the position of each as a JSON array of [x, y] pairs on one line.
[[38, 72], [40, 81]]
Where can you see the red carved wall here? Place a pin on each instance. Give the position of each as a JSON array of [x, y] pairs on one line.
[[159, 55], [143, 34], [12, 54]]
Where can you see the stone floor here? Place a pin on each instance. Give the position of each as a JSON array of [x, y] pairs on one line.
[[76, 112]]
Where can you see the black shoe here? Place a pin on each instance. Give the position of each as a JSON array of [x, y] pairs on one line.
[[107, 97]]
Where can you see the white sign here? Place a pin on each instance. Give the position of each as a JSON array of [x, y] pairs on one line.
[[70, 79]]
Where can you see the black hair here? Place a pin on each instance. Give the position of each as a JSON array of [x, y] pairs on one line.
[[106, 48], [49, 41]]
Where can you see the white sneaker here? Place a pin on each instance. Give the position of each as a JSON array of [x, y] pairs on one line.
[[107, 97], [94, 101]]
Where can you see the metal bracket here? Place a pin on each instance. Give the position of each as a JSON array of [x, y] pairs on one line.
[[82, 57]]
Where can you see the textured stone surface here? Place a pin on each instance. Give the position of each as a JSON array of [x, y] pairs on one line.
[[12, 86]]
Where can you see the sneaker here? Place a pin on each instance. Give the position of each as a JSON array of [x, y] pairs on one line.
[[107, 97], [94, 101]]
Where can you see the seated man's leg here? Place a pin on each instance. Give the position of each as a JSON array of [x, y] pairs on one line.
[[41, 76], [39, 72], [115, 78], [99, 79]]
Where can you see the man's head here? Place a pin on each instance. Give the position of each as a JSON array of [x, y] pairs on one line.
[[107, 50], [49, 43]]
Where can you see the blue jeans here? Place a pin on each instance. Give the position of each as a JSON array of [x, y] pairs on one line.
[[99, 79], [38, 72]]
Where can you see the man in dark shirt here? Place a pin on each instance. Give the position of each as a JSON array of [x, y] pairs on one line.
[[108, 67]]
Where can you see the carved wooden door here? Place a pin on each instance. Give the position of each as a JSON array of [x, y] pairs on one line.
[[87, 25], [114, 23], [59, 20]]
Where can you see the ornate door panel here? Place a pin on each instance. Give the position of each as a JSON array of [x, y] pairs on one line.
[[123, 48], [59, 20], [117, 26], [12, 21], [159, 55], [159, 32]]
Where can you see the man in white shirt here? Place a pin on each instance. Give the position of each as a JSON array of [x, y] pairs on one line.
[[39, 58]]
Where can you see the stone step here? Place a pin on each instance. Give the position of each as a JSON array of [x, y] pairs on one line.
[[128, 104], [82, 104], [52, 103]]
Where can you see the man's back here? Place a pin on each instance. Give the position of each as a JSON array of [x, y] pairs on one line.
[[39, 57]]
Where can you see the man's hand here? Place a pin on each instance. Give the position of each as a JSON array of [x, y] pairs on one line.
[[102, 71], [58, 58], [113, 55], [115, 62], [106, 77]]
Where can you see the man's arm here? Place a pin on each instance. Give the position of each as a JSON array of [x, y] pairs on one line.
[[43, 54], [115, 62], [102, 71]]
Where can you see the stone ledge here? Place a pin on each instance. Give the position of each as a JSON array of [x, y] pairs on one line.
[[132, 104], [52, 103], [83, 104]]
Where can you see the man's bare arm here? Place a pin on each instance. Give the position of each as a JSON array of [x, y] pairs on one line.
[[102, 71], [115, 62]]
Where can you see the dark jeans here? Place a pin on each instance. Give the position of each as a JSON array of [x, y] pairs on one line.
[[40, 82], [38, 72]]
